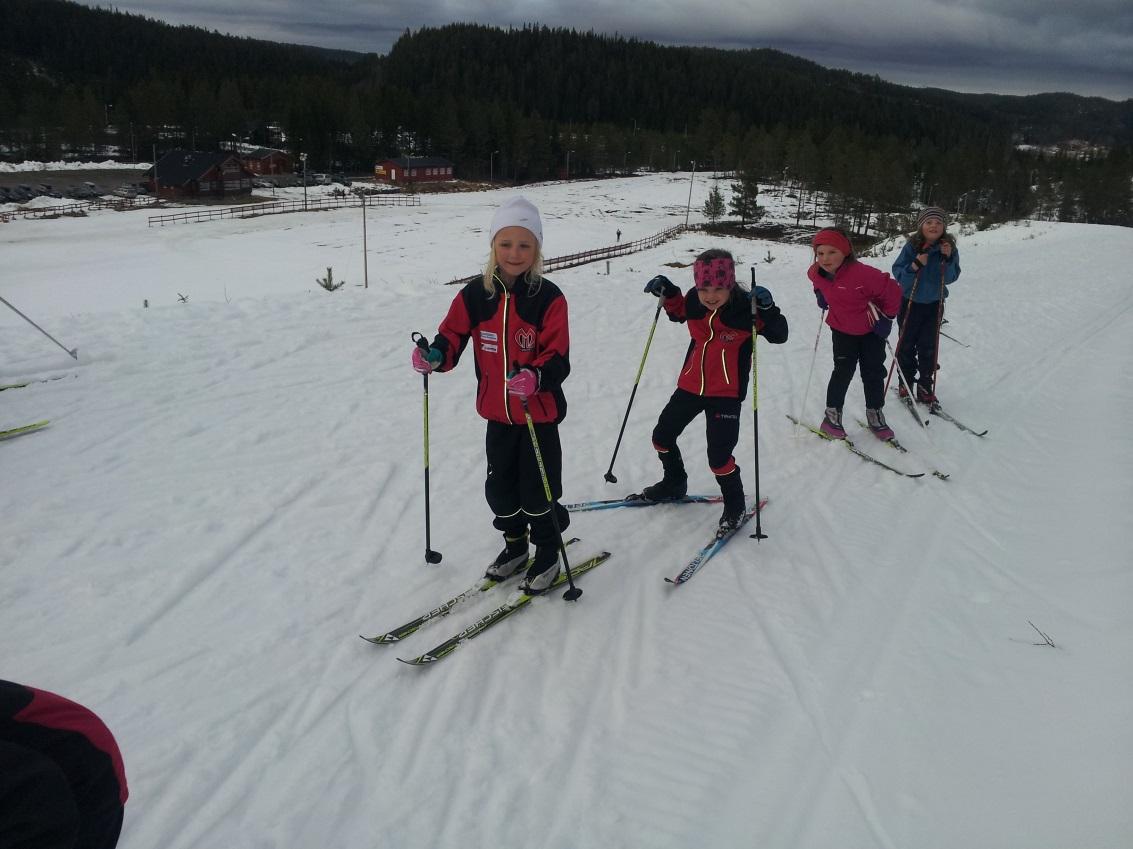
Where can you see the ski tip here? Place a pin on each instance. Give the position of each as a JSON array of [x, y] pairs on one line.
[[423, 660], [381, 639]]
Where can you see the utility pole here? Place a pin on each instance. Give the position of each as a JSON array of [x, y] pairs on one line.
[[691, 177], [303, 159], [365, 265]]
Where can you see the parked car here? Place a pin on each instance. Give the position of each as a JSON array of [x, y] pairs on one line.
[[126, 190], [320, 179]]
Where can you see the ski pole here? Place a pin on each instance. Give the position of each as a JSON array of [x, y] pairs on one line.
[[74, 352], [906, 308], [759, 534], [610, 478], [954, 339], [939, 322], [574, 592], [900, 373], [430, 555], [814, 357]]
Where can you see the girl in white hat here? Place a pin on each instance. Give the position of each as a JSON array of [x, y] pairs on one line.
[[515, 321]]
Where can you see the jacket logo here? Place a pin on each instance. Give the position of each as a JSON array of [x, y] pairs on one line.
[[728, 337], [525, 338]]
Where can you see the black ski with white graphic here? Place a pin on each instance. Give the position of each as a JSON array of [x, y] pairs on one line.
[[27, 383], [850, 445], [514, 604], [639, 500], [893, 443], [713, 546], [481, 586], [936, 410]]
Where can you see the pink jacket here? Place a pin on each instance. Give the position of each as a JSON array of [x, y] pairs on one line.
[[849, 293]]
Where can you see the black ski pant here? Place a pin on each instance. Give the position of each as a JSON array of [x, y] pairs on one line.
[[850, 351], [721, 425], [514, 487], [919, 326]]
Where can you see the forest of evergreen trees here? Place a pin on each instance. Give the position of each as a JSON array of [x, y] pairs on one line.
[[531, 103]]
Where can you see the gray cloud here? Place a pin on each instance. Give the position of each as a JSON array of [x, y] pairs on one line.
[[1005, 46]]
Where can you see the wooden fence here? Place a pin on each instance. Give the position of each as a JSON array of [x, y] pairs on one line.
[[281, 206], [77, 208], [584, 257]]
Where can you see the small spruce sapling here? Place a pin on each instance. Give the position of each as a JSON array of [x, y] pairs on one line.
[[328, 281]]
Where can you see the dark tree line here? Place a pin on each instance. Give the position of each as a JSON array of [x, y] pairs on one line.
[[537, 103]]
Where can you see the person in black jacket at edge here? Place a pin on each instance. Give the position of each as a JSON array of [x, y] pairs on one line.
[[62, 782]]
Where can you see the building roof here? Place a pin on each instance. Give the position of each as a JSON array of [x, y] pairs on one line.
[[420, 162], [180, 166], [263, 153]]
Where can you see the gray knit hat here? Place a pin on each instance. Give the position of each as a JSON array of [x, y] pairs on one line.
[[930, 213]]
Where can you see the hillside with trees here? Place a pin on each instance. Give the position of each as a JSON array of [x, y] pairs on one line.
[[538, 103]]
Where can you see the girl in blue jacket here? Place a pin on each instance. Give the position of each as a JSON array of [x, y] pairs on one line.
[[924, 268]]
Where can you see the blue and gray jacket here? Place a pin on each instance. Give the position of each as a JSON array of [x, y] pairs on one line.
[[931, 280]]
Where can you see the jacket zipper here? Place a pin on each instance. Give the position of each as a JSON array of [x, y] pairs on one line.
[[503, 348], [704, 350]]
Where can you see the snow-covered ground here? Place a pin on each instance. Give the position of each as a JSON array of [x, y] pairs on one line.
[[230, 491], [59, 165]]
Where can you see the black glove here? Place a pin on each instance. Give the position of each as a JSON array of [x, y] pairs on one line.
[[662, 287], [822, 305], [883, 326], [762, 298]]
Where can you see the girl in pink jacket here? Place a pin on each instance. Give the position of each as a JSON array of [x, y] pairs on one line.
[[860, 302]]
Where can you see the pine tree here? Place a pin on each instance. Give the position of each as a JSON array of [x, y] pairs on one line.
[[714, 205], [745, 195]]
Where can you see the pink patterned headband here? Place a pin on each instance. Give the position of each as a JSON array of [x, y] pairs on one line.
[[720, 271]]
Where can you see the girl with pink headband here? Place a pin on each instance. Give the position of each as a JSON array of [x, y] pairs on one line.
[[718, 313]]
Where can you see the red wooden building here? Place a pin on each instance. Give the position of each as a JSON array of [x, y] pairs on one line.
[[190, 173], [266, 160], [413, 169]]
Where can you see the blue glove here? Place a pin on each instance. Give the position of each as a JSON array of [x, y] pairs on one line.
[[822, 305], [762, 298], [662, 287], [882, 326]]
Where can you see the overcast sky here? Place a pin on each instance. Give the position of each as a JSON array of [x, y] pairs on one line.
[[1003, 46]]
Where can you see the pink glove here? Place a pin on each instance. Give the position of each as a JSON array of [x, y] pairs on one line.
[[523, 383], [424, 361]]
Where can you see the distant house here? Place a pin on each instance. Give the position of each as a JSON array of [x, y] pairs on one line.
[[191, 173], [413, 169], [266, 160]]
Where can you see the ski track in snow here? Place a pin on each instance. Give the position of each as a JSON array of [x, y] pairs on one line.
[[231, 490]]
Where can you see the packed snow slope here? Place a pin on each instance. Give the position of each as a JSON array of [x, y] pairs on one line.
[[231, 490]]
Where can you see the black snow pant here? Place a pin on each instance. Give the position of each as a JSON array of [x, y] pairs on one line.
[[919, 338], [514, 487], [721, 426], [867, 350]]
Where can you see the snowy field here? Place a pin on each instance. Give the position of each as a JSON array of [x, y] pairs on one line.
[[230, 491]]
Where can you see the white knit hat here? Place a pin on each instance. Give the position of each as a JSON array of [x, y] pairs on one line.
[[517, 211]]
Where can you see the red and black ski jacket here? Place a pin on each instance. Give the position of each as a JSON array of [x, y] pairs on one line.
[[71, 736], [524, 326], [718, 361]]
